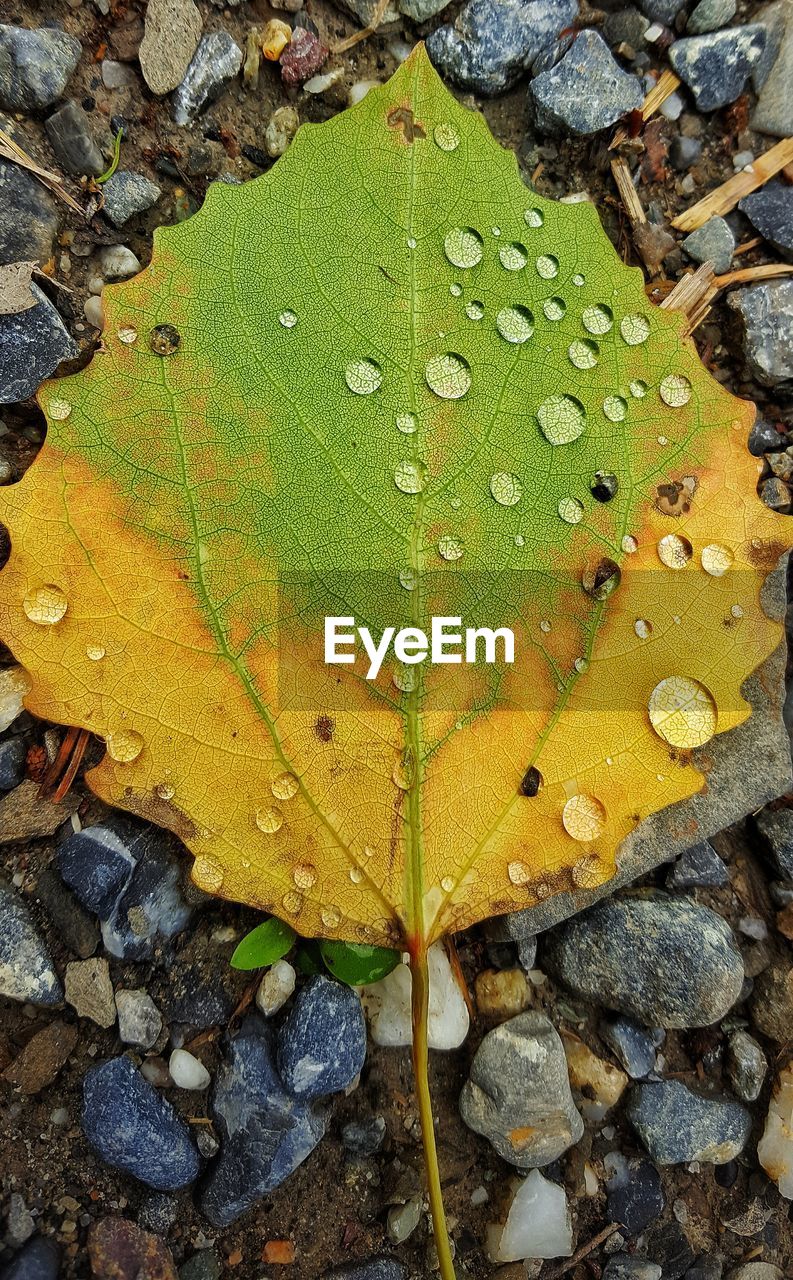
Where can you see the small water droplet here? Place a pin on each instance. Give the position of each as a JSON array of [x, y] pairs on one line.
[[562, 419], [545, 626], [448, 884], [736, 611], [410, 476], [506, 488], [59, 409], [514, 256], [682, 712], [207, 874], [363, 376], [403, 771], [464, 247], [615, 408], [405, 678], [579, 280], [292, 902], [675, 551], [583, 353], [331, 917], [519, 873], [598, 319], [304, 875], [571, 510], [356, 875], [165, 340], [411, 242], [717, 559], [285, 786], [475, 309], [533, 218], [581, 665], [604, 487], [516, 324], [288, 319], [446, 137], [629, 544], [127, 335], [675, 390], [519, 540], [601, 579], [643, 628], [269, 820], [584, 818], [407, 423], [408, 579], [455, 290], [95, 652], [634, 329], [448, 375], [164, 791], [124, 745], [45, 605], [638, 389], [496, 231], [451, 548], [554, 308], [662, 440], [547, 266]]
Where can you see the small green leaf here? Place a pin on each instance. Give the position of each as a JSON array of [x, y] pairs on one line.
[[265, 944], [308, 960], [358, 965]]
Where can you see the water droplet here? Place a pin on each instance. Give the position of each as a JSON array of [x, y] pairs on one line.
[[95, 652], [579, 280], [554, 308], [59, 409], [638, 389], [506, 488], [496, 231], [448, 884], [584, 818], [124, 745], [545, 626], [455, 503], [571, 510], [514, 256], [304, 875], [629, 544], [583, 353], [164, 791], [331, 917], [363, 376], [164, 340], [446, 137], [519, 873], [269, 820], [455, 290], [448, 375], [675, 551], [682, 712], [600, 580], [716, 559], [411, 242], [207, 874], [292, 902], [615, 408], [604, 487], [547, 266], [410, 476], [519, 540], [598, 319], [405, 678], [288, 319], [675, 390], [635, 329], [475, 309], [403, 771], [127, 335], [516, 324], [45, 605], [643, 628], [285, 786], [356, 875], [736, 611], [662, 440], [451, 548], [464, 247], [408, 579], [562, 419], [407, 423], [581, 665]]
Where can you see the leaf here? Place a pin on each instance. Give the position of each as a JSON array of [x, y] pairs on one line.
[[265, 944], [358, 965]]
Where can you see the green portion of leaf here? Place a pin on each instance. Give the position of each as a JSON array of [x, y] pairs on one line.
[[265, 944], [308, 959], [358, 965]]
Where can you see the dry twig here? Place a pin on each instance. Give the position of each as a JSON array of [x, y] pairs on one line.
[[693, 295], [365, 32], [726, 197]]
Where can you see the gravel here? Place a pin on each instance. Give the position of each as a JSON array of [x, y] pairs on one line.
[[172, 30], [716, 66], [633, 1045], [72, 140], [712, 242], [699, 867], [32, 345], [709, 15], [770, 211], [39, 1259], [492, 43], [774, 73], [678, 1126], [139, 1019], [322, 1043], [35, 66], [585, 91], [26, 968], [13, 753], [127, 194], [776, 827], [216, 62], [746, 1066], [765, 312], [634, 1193]]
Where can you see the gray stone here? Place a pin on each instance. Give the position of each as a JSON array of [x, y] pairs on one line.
[[771, 1003], [32, 345], [709, 15], [626, 1266], [30, 213], [139, 1019], [322, 1042], [126, 194], [774, 73], [746, 1065], [626, 26], [35, 66], [69, 132], [379, 1268], [766, 314], [699, 867], [13, 755], [776, 828], [518, 1094], [756, 1271], [216, 61], [634, 1192], [634, 1046], [492, 43], [661, 10], [678, 1126], [716, 66], [204, 1265], [76, 926], [708, 1266], [585, 91], [683, 152], [770, 211], [763, 437], [712, 242]]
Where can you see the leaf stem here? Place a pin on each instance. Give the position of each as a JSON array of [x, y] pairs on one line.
[[420, 1001]]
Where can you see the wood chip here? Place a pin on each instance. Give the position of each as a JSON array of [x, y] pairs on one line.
[[726, 197], [693, 295]]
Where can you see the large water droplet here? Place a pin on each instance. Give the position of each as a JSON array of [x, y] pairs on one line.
[[615, 408], [584, 818], [598, 319], [717, 559], [165, 340], [405, 678], [331, 917], [583, 353], [45, 605], [635, 329], [285, 786], [446, 136], [124, 745], [292, 902], [451, 548], [506, 488], [127, 335], [682, 712], [407, 423], [516, 324], [408, 578], [547, 266], [629, 544], [410, 476], [562, 419], [554, 308], [675, 551], [448, 375], [269, 820], [533, 218], [363, 376], [464, 247], [675, 390], [287, 318], [514, 256], [638, 389], [571, 510]]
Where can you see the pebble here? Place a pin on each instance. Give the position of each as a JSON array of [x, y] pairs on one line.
[[117, 75], [275, 988], [775, 1148], [678, 1126], [585, 91], [14, 684], [39, 1259], [708, 1266], [42, 1057], [597, 1085], [32, 345], [763, 437], [716, 66], [20, 1223], [71, 138], [216, 62], [712, 242], [120, 1250], [132, 1127], [625, 1266], [668, 1245], [77, 927], [773, 113], [380, 1268], [303, 57], [518, 1094], [35, 66], [756, 1271], [664, 11], [13, 754], [98, 866], [634, 1192], [363, 1137], [92, 310], [128, 193], [501, 993], [766, 314], [281, 129], [746, 1065], [776, 825], [387, 1005], [187, 1072], [204, 1265], [709, 15], [625, 26], [26, 969], [742, 160], [698, 867], [172, 29], [322, 1043], [633, 1045], [265, 1132], [118, 262], [538, 1224], [90, 992], [666, 961], [403, 1219], [139, 1019], [684, 152], [770, 211], [492, 43]]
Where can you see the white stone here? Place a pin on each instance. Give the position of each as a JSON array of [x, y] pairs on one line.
[[117, 262], [275, 988], [14, 684], [360, 89], [139, 1019], [387, 1004], [186, 1071], [320, 84], [775, 1148], [538, 1224], [93, 312]]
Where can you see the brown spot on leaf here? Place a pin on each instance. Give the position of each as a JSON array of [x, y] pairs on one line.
[[404, 119], [673, 497], [323, 728], [154, 808], [764, 553]]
